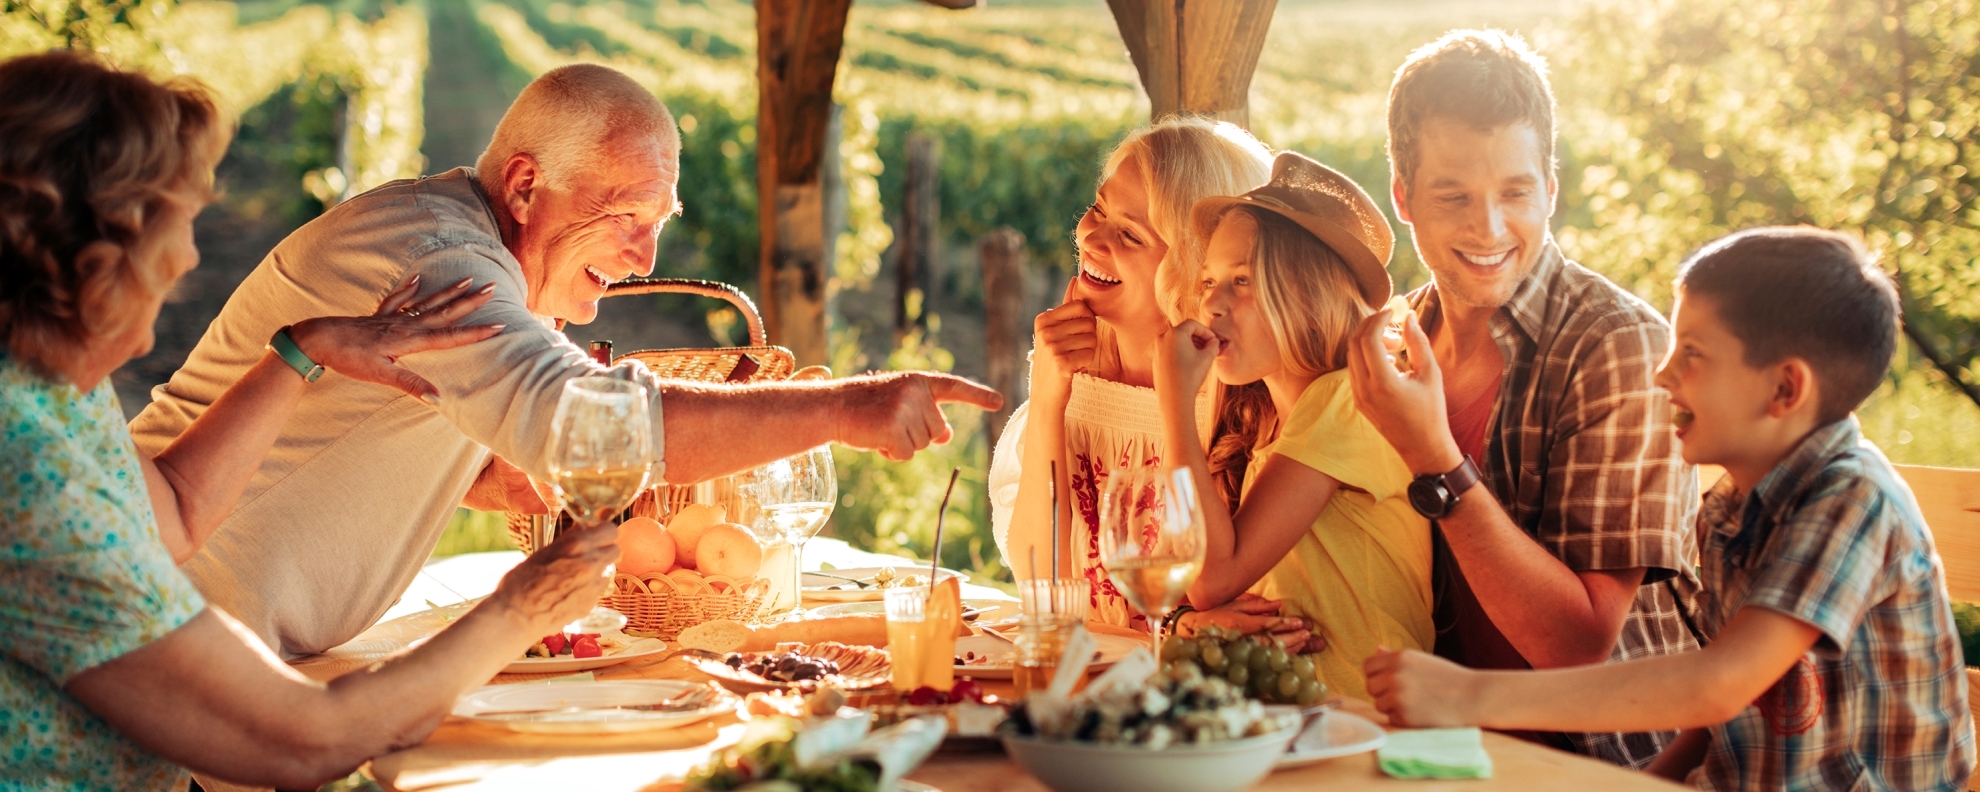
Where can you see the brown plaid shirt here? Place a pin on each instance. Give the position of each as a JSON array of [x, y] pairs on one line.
[[1581, 456], [1832, 538]]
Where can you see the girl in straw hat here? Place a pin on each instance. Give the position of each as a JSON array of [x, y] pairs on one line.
[[1092, 407], [1322, 520]]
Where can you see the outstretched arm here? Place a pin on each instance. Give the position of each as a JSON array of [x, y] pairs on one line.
[[1678, 691], [1552, 614], [715, 430], [210, 696]]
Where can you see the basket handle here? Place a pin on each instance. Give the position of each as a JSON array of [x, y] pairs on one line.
[[704, 288]]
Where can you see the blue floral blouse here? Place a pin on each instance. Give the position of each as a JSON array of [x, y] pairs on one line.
[[86, 580]]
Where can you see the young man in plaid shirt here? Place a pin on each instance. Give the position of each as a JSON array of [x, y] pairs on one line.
[[1574, 547], [1833, 663]]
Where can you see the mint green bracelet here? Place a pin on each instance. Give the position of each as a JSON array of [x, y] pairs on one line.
[[285, 346]]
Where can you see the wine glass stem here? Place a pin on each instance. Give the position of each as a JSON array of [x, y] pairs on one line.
[[1155, 636], [585, 624], [797, 579]]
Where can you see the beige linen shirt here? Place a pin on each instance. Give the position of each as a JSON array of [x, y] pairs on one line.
[[353, 497]]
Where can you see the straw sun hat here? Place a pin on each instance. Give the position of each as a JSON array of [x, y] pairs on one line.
[[1327, 204]]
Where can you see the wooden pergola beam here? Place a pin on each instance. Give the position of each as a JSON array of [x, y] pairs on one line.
[[1195, 56], [797, 59]]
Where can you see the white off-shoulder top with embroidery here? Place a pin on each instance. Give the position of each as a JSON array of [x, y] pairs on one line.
[[1109, 425]]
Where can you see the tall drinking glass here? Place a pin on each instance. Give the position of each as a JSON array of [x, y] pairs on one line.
[[1151, 540], [801, 508], [601, 452]]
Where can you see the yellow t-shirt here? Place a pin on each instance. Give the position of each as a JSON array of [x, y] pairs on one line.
[[1362, 573]]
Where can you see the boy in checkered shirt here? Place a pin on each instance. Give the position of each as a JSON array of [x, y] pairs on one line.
[[1833, 662]]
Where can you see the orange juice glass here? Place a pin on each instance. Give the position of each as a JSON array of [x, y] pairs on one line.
[[921, 637]]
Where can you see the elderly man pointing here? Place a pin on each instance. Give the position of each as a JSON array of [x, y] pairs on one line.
[[569, 197]]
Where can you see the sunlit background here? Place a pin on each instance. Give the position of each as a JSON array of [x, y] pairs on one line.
[[1680, 120]]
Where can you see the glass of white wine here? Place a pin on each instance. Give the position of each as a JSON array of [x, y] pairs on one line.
[[1151, 540], [601, 452], [800, 507]]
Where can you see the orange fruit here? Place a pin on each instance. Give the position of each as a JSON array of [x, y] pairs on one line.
[[645, 548], [686, 528], [728, 550]]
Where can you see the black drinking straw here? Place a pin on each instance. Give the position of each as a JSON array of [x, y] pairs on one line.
[[935, 564]]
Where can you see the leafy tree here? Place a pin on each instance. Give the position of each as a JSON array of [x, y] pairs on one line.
[[1692, 118]]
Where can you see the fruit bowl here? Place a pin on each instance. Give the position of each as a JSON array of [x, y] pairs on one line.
[[1073, 766]]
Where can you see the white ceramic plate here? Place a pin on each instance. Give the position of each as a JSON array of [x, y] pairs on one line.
[[907, 785], [993, 609], [1333, 734], [640, 647], [594, 696], [995, 657], [819, 588]]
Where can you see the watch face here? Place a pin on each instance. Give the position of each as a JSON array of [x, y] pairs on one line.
[[1428, 497]]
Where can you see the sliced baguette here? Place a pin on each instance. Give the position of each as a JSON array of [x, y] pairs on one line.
[[721, 635]]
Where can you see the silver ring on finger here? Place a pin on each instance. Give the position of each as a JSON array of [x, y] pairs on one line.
[[411, 311]]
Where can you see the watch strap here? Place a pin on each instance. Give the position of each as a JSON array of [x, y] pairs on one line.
[[1461, 479], [286, 348]]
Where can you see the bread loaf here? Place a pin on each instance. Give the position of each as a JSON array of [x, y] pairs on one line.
[[721, 635], [863, 629]]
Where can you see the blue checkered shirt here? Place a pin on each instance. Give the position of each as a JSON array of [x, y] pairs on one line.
[[1833, 538]]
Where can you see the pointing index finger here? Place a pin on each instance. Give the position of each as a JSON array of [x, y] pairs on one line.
[[951, 388]]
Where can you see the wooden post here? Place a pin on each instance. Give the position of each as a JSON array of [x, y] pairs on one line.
[[918, 254], [1195, 56], [1005, 337], [797, 57]]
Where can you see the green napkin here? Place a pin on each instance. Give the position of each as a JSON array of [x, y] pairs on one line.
[[1435, 753]]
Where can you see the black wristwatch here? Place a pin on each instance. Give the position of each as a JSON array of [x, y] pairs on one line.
[[1434, 495]]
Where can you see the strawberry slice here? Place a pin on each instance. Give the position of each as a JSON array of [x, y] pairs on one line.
[[585, 646], [557, 644]]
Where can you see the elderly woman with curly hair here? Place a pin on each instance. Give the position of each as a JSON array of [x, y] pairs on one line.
[[115, 674]]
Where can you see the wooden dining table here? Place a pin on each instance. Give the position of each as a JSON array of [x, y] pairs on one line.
[[463, 755]]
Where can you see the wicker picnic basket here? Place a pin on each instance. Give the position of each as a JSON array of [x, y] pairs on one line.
[[663, 606]]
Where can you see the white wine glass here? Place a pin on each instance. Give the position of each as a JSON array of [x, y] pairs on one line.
[[1151, 540], [601, 452], [801, 508]]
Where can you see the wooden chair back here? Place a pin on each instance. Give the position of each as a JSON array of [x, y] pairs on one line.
[[1950, 501], [1949, 498]]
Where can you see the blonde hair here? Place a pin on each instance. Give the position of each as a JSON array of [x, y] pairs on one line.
[[89, 153], [1312, 303], [567, 119], [1185, 159]]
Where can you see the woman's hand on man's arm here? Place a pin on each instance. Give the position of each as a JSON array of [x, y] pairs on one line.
[[196, 481], [368, 348], [210, 696]]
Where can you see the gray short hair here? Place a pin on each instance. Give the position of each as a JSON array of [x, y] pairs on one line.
[[565, 119]]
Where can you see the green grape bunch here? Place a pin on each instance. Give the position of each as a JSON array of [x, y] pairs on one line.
[[1259, 666]]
